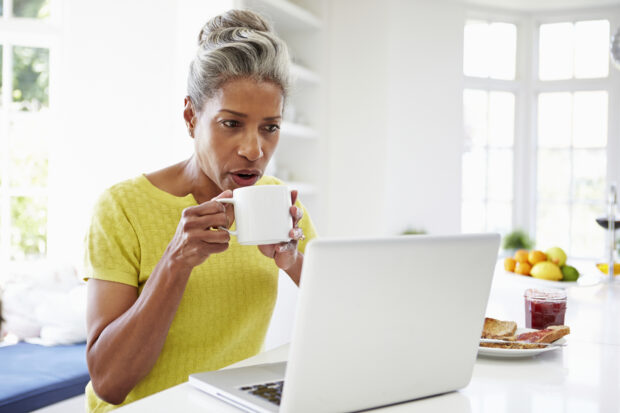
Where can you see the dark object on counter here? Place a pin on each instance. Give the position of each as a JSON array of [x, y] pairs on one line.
[[604, 222]]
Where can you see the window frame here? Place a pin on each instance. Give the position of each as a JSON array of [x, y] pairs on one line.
[[24, 32], [527, 86], [514, 86]]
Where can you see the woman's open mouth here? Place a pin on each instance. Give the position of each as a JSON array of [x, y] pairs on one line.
[[245, 178]]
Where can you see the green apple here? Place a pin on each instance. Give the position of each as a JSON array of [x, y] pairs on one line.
[[569, 273], [556, 255]]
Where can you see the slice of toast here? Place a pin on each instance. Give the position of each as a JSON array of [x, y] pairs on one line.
[[547, 335], [497, 329]]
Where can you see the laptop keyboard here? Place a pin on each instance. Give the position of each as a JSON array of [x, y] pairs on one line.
[[271, 392]]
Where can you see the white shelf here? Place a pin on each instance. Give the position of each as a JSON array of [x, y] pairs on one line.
[[286, 15], [295, 130], [305, 75]]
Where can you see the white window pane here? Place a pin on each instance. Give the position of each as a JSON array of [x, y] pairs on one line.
[[555, 51], [554, 175], [592, 49], [590, 119], [29, 134], [475, 52], [499, 217], [554, 119], [501, 118], [587, 238], [474, 175], [502, 50], [552, 226], [500, 175], [472, 217], [589, 174], [475, 114]]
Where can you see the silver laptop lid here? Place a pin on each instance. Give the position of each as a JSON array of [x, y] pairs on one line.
[[380, 321]]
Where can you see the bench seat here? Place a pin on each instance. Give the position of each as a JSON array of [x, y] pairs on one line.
[[34, 376]]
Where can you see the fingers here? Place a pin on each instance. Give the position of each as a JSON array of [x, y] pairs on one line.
[[208, 236], [226, 194], [296, 234], [209, 207], [205, 222], [286, 247], [297, 213], [206, 208]]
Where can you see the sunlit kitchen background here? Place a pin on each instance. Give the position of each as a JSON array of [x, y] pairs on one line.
[[429, 116]]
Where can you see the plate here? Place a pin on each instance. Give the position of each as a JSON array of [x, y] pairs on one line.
[[518, 352], [584, 280]]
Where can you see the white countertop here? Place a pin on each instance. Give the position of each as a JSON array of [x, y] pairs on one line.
[[584, 376]]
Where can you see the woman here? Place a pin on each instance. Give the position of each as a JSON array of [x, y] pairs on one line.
[[169, 293]]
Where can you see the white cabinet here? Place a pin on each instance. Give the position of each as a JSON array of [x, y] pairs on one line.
[[298, 159]]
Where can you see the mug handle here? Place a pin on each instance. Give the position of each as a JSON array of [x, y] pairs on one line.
[[227, 201]]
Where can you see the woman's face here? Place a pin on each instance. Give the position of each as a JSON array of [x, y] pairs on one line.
[[237, 132]]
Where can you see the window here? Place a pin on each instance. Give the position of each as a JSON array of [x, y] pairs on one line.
[[572, 133], [540, 165], [489, 109], [26, 41]]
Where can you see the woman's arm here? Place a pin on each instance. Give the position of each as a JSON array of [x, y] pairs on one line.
[[126, 332]]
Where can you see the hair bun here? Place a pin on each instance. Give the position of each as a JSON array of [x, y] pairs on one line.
[[234, 19]]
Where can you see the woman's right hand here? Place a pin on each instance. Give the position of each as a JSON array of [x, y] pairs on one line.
[[197, 235]]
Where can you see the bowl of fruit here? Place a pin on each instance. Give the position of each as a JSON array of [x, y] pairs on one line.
[[549, 266]]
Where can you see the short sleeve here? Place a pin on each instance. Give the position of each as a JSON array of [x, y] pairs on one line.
[[112, 250], [307, 226]]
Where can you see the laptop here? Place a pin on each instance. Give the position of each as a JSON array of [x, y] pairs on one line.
[[378, 322]]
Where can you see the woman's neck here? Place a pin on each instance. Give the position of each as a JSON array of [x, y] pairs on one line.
[[185, 178], [196, 182]]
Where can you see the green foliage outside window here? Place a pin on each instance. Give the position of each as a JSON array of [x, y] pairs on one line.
[[29, 230], [35, 9], [30, 77]]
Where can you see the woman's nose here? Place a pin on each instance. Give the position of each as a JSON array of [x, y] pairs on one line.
[[250, 147]]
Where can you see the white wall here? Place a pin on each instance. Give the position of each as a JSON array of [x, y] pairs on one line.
[[357, 84], [124, 66], [425, 127], [395, 121]]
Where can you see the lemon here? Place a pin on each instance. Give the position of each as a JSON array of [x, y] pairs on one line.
[[569, 273], [605, 268], [546, 271]]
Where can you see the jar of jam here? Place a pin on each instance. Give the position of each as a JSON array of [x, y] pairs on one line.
[[544, 307]]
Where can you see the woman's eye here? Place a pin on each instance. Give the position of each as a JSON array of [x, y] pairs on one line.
[[230, 123], [272, 128]]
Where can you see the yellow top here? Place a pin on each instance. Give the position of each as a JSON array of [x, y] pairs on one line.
[[227, 304]]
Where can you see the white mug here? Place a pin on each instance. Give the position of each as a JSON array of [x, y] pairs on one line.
[[262, 214]]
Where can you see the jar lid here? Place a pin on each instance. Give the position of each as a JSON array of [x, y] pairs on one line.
[[546, 294]]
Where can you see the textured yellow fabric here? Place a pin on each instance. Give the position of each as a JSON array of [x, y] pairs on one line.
[[227, 304]]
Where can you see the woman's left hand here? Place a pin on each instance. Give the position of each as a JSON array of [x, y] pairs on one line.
[[285, 253]]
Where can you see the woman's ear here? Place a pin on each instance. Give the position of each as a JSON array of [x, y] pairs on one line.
[[189, 115]]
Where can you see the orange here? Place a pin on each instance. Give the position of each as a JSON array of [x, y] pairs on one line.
[[536, 256], [509, 264], [523, 268], [521, 255]]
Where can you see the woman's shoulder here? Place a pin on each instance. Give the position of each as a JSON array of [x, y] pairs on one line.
[[124, 189], [121, 195]]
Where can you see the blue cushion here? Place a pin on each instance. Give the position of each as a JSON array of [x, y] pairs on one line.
[[33, 376]]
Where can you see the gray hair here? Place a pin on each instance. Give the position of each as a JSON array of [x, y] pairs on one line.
[[236, 44]]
